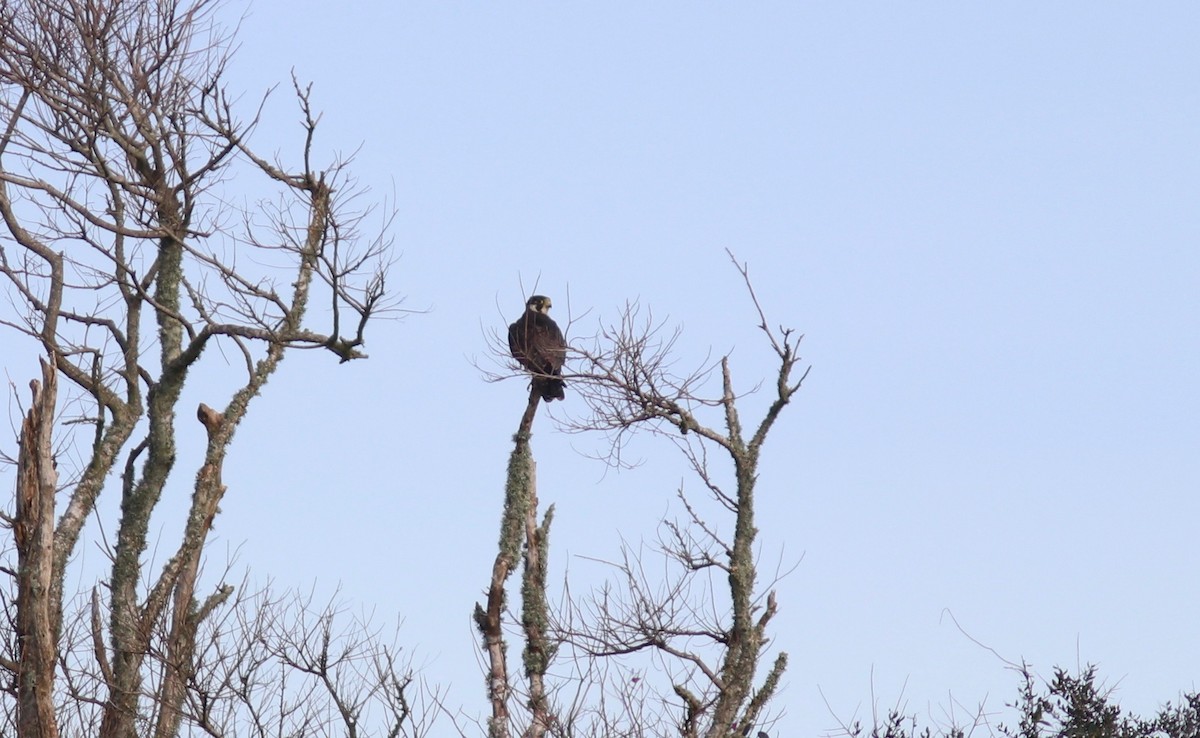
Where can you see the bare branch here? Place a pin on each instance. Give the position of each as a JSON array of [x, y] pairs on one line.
[[123, 263]]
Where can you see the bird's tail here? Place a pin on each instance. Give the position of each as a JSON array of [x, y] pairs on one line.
[[550, 388]]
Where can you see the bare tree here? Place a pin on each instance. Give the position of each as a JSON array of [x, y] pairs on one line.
[[33, 536], [519, 531], [126, 263], [277, 665], [706, 624]]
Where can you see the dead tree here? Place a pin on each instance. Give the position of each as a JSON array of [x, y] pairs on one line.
[[707, 632], [625, 380], [126, 266], [519, 531], [33, 535], [275, 665]]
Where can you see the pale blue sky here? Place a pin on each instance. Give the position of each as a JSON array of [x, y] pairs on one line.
[[983, 216]]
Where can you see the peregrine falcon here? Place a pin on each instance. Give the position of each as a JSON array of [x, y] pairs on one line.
[[535, 341]]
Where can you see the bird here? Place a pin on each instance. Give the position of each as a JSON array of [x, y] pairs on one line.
[[537, 343]]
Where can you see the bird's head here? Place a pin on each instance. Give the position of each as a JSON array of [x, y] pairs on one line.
[[539, 304]]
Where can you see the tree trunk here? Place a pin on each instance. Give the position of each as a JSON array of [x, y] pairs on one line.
[[38, 614]]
